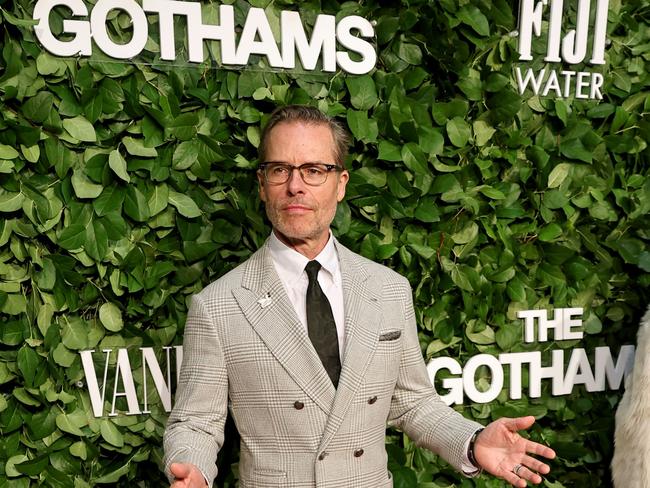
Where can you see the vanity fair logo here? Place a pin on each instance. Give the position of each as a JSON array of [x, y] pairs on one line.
[[344, 43], [570, 48], [117, 387], [564, 326]]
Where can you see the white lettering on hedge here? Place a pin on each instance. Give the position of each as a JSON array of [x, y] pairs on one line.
[[606, 371], [256, 37], [122, 379], [571, 48]]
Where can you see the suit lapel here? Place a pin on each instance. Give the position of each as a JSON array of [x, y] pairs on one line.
[[265, 304], [362, 314]]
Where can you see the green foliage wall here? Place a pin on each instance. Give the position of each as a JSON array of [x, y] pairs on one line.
[[126, 188]]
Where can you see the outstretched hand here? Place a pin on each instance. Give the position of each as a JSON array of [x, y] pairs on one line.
[[501, 451], [187, 476]]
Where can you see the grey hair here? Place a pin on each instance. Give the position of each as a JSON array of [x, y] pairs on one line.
[[308, 115]]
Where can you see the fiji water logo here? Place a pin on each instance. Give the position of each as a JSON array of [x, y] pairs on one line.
[[548, 19]]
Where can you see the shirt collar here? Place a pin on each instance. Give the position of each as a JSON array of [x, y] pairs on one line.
[[292, 264]]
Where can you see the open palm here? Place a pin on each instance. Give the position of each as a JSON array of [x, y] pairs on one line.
[[501, 451]]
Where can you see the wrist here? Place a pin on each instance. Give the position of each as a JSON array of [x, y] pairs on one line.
[[471, 453]]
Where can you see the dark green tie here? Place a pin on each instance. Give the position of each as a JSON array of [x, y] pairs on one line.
[[321, 325]]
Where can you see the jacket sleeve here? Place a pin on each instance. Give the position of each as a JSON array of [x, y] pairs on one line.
[[416, 408], [195, 428]]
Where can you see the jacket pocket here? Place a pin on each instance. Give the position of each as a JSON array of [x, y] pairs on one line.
[[267, 479], [390, 336]]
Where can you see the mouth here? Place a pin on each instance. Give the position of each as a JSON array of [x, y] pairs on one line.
[[296, 208]]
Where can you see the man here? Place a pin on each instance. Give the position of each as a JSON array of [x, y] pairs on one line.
[[314, 349]]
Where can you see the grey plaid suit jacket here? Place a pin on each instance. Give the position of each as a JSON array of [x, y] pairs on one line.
[[245, 349]]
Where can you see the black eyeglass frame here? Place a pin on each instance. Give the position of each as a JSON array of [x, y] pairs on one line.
[[329, 168]]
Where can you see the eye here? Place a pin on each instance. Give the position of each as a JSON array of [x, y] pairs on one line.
[[314, 170], [278, 170]]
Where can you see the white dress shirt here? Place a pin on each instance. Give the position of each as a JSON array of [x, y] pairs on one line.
[[290, 266]]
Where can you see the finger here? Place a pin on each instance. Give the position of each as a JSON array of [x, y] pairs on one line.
[[526, 474], [540, 450], [519, 423], [180, 470], [535, 465], [514, 480]]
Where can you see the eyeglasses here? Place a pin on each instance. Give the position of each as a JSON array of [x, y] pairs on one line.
[[313, 174]]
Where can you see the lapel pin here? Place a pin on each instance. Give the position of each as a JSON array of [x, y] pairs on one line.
[[265, 301]]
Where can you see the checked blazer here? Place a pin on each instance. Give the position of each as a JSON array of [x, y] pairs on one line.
[[246, 350]]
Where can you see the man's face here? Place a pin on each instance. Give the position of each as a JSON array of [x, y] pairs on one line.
[[301, 214]]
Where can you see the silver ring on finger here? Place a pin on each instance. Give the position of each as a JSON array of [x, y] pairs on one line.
[[516, 469]]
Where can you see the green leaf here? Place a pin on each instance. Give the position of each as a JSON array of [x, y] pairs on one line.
[[575, 149], [96, 242], [80, 128], [464, 276], [427, 211], [73, 333], [483, 132], [10, 467], [414, 158], [7, 152], [33, 467], [361, 126], [10, 202], [363, 93], [507, 336], [185, 155], [111, 317], [373, 176], [558, 175], [63, 356], [118, 164], [72, 237], [70, 423], [110, 200], [184, 204], [79, 449], [136, 147], [516, 290], [484, 337], [37, 108], [28, 362], [389, 151], [83, 187], [411, 53], [458, 131], [183, 127], [466, 234], [592, 324], [550, 232], [135, 204], [158, 199], [111, 433], [630, 249], [115, 226], [502, 275], [492, 193], [473, 17]]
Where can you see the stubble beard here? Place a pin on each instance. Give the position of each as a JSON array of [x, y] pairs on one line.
[[301, 227]]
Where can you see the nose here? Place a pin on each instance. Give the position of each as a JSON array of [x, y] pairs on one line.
[[295, 184]]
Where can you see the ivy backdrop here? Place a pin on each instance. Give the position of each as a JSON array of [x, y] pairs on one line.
[[126, 188]]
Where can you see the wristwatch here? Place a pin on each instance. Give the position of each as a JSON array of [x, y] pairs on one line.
[[470, 449]]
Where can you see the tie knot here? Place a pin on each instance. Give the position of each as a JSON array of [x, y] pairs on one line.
[[312, 269]]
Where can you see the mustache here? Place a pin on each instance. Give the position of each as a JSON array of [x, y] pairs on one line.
[[287, 203]]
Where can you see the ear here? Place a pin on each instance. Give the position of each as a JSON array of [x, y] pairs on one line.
[[260, 186], [342, 183]]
